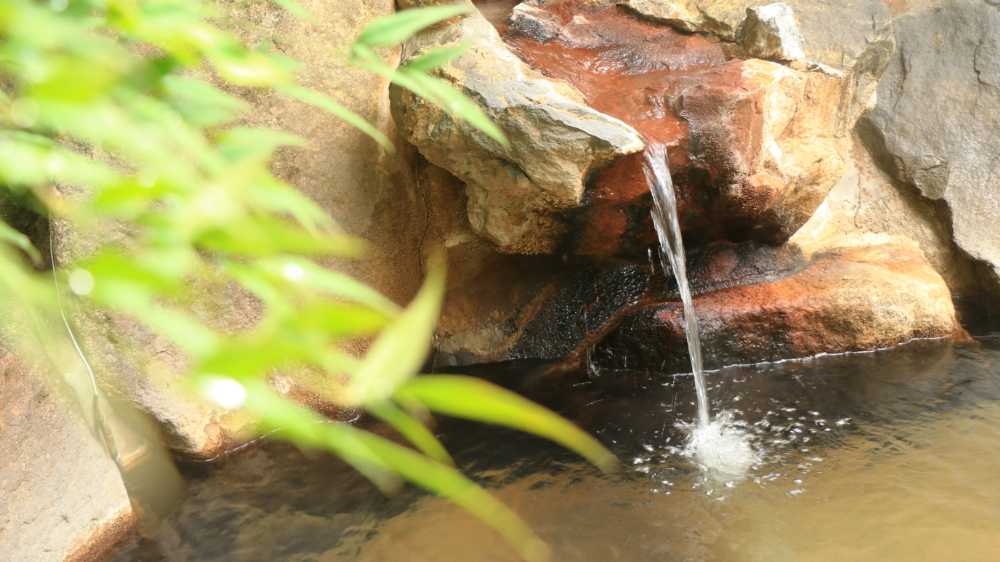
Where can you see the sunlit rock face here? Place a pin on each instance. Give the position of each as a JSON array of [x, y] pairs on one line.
[[63, 497]]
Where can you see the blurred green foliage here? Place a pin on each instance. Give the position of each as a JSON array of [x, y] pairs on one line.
[[114, 114]]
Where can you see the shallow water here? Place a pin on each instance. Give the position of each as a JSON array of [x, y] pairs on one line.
[[888, 456]]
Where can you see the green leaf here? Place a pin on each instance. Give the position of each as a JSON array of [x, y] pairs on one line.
[[200, 102], [308, 429], [338, 320], [435, 90], [309, 274], [19, 240], [326, 103], [412, 429], [266, 236], [434, 58], [375, 456], [392, 30], [245, 142], [478, 400], [399, 351], [457, 105]]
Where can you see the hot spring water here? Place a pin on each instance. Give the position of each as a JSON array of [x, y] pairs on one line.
[[718, 445]]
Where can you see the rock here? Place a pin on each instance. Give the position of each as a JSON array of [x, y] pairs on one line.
[[558, 313], [754, 145], [834, 35], [859, 296], [854, 36], [867, 200], [770, 32], [770, 145], [938, 113], [517, 195], [532, 21], [690, 15], [63, 497]]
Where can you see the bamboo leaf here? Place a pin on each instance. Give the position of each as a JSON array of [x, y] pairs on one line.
[[326, 103], [19, 240], [435, 90], [293, 7], [399, 352], [458, 105], [388, 31], [434, 58], [309, 274], [486, 402], [377, 458], [412, 429]]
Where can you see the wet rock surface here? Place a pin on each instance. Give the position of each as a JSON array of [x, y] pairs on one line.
[[938, 115], [559, 314], [876, 292]]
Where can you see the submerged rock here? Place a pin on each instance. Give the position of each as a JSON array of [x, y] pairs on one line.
[[517, 194], [938, 115], [872, 292]]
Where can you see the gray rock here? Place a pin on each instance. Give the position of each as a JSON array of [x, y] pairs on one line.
[[517, 194], [937, 122], [771, 32]]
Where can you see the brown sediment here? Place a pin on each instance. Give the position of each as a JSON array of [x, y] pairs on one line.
[[104, 539]]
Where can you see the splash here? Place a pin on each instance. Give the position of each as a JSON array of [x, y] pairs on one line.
[[722, 447]]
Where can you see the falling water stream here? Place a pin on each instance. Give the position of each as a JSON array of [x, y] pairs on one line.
[[719, 445], [668, 231]]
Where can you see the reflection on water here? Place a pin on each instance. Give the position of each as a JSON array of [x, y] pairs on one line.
[[887, 456]]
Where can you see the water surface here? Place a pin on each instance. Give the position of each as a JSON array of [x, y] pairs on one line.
[[887, 456]]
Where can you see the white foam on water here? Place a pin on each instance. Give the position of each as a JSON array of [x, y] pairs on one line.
[[723, 448]]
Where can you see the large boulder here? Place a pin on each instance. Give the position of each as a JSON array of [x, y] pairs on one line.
[[938, 115], [835, 34], [871, 292], [517, 194], [754, 145], [868, 200], [63, 497]]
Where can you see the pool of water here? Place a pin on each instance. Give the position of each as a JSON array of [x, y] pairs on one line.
[[887, 456]]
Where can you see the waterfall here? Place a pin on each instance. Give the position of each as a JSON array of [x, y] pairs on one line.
[[668, 231], [721, 446]]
